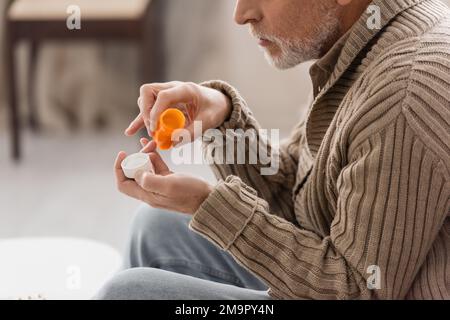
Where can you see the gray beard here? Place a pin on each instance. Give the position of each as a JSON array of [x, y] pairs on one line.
[[295, 52]]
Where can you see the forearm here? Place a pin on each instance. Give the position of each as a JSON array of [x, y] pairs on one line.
[[247, 152]]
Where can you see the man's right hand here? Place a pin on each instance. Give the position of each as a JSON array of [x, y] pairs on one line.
[[207, 105]]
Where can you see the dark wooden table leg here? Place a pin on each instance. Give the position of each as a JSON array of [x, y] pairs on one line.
[[14, 122], [33, 117], [153, 53], [152, 48]]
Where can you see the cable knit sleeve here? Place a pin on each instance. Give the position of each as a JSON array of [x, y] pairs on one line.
[[275, 178]]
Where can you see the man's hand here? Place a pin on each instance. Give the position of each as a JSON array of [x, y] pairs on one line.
[[162, 189], [209, 106]]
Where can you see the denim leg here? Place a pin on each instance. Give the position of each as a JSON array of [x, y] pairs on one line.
[[157, 284], [161, 239]]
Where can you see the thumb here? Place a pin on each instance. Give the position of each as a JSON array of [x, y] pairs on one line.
[[159, 165], [151, 182]]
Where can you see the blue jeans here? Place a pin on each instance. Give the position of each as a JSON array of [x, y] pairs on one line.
[[166, 260]]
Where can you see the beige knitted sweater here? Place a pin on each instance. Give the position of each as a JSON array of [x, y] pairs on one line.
[[364, 181]]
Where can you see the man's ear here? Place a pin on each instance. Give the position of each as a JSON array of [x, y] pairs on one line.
[[343, 2]]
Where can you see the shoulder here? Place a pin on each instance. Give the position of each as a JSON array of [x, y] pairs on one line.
[[399, 59], [407, 78]]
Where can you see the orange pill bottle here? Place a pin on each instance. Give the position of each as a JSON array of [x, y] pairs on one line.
[[170, 120]]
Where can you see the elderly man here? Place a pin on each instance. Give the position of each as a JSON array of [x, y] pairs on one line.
[[359, 208]]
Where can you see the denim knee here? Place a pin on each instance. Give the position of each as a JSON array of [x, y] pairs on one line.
[[156, 284], [132, 284]]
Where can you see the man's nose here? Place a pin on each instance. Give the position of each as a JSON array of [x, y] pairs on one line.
[[247, 11]]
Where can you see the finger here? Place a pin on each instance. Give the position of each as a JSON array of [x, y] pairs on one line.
[[135, 126], [120, 176], [149, 147], [147, 98], [153, 183], [169, 98], [159, 165], [146, 101], [144, 141], [132, 189]]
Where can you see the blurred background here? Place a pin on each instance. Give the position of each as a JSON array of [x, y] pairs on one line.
[[76, 92]]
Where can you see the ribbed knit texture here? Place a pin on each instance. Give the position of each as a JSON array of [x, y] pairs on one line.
[[365, 180]]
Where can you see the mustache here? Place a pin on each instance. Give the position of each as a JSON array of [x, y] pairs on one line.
[[259, 34]]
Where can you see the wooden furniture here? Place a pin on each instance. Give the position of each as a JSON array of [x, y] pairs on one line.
[[36, 21]]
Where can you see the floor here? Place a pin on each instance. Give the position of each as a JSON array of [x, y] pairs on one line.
[[64, 186]]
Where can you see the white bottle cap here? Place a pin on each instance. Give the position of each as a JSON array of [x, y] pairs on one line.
[[134, 163]]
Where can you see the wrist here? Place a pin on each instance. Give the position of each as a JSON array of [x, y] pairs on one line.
[[218, 107], [235, 111], [226, 107], [202, 196], [208, 190], [221, 107]]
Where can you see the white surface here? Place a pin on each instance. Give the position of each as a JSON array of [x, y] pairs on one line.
[[54, 268]]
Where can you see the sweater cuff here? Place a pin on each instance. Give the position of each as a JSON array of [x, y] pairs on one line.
[[226, 212], [240, 113]]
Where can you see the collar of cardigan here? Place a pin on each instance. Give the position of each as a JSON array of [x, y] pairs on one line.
[[344, 52]]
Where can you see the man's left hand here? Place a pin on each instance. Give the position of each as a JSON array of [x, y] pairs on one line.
[[162, 188]]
